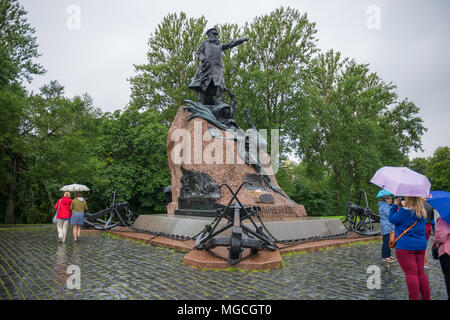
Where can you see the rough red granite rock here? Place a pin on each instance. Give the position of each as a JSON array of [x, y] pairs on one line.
[[224, 171], [262, 260]]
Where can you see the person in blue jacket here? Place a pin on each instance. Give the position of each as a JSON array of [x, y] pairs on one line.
[[410, 248], [384, 208]]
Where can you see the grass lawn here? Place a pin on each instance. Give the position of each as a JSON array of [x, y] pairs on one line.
[[332, 217]]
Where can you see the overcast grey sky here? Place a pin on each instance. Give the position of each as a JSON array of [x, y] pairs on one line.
[[406, 42]]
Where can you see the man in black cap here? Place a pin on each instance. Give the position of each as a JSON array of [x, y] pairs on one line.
[[209, 81]]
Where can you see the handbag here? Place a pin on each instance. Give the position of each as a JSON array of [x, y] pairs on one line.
[[393, 240], [54, 217], [435, 252]]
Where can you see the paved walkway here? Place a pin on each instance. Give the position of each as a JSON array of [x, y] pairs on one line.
[[33, 266]]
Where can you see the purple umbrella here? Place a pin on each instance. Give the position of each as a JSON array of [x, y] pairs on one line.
[[402, 181]]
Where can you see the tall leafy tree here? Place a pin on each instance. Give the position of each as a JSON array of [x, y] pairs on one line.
[[13, 126], [272, 67], [8, 69], [313, 192], [59, 147], [18, 51], [419, 165], [17, 38], [439, 169], [47, 145], [162, 83], [355, 124], [134, 151]]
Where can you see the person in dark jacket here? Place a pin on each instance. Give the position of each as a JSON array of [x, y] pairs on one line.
[[410, 248], [428, 227], [63, 216]]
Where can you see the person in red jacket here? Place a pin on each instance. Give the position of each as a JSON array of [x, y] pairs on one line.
[[63, 216]]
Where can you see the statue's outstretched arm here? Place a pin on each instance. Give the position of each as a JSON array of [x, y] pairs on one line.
[[233, 43]]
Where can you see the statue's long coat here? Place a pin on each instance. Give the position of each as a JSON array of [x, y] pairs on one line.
[[211, 66]]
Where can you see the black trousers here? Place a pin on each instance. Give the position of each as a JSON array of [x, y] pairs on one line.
[[445, 265]]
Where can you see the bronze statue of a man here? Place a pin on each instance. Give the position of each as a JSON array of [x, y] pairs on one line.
[[209, 81]]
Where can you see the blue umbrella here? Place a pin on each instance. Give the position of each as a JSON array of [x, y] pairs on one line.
[[440, 200], [383, 193]]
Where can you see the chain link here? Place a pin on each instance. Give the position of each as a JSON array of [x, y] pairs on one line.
[[164, 234], [295, 242], [159, 233]]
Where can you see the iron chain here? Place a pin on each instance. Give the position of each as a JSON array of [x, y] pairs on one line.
[[285, 243]]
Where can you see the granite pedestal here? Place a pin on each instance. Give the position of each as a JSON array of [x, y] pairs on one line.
[[281, 229]]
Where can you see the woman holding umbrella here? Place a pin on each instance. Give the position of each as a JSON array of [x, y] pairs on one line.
[[409, 221], [77, 208], [410, 247]]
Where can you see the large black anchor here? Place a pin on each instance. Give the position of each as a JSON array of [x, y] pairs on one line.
[[235, 213], [118, 214]]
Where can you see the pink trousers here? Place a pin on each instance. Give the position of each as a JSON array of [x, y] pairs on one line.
[[412, 263]]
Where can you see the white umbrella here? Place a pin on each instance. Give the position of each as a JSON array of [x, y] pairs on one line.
[[74, 187]]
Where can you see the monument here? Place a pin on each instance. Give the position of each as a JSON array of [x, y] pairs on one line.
[[206, 148], [220, 171]]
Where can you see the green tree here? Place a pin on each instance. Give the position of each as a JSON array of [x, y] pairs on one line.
[[419, 165], [18, 40], [134, 151], [13, 126], [314, 193], [162, 83], [355, 125], [56, 150], [18, 49], [8, 70], [270, 69], [438, 170]]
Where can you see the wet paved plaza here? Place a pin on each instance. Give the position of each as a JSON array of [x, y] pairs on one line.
[[34, 266]]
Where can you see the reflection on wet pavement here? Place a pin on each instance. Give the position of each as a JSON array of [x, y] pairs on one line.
[[33, 265]]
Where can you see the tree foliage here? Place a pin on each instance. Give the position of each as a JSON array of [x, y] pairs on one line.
[[134, 151], [162, 83], [18, 49], [314, 193], [18, 40], [355, 125], [272, 67], [436, 168], [48, 147]]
